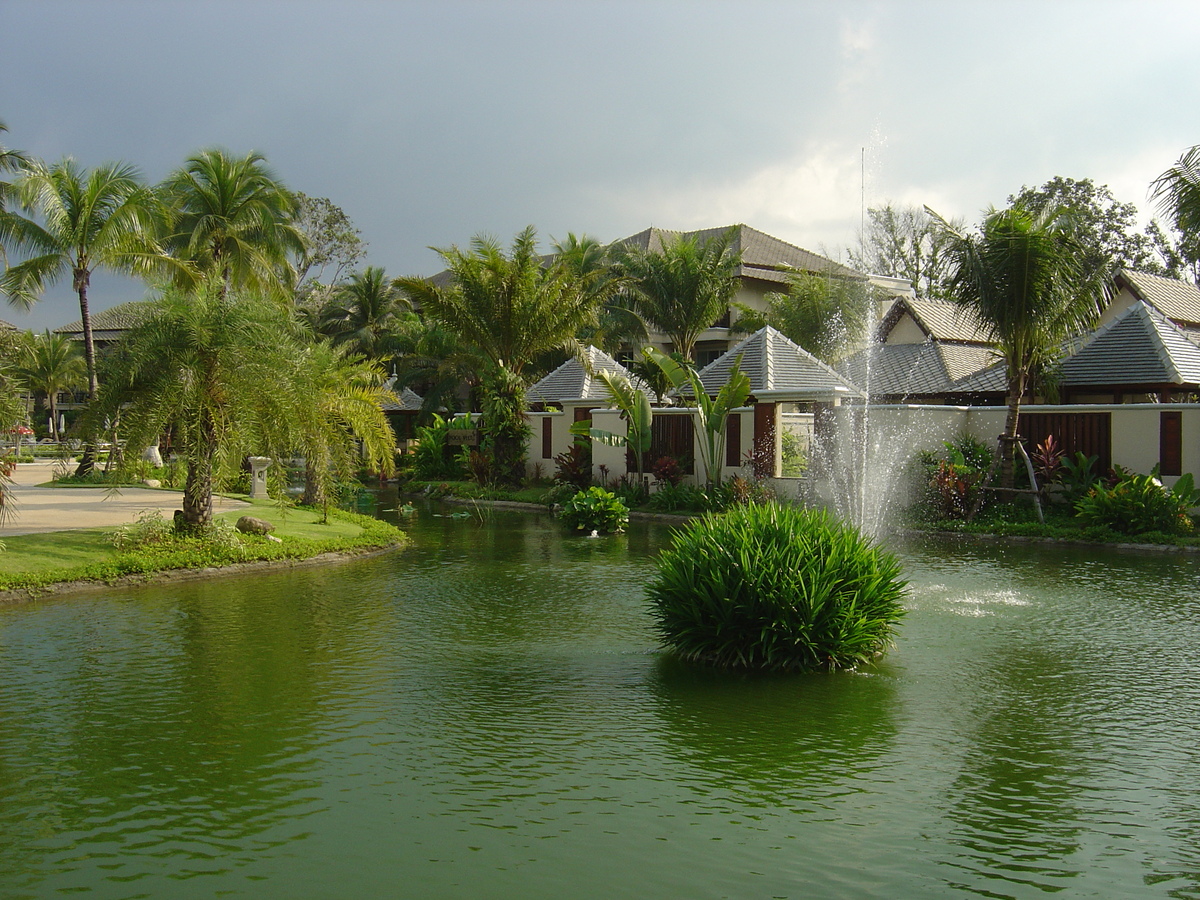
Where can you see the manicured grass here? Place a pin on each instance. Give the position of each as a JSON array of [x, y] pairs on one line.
[[32, 561]]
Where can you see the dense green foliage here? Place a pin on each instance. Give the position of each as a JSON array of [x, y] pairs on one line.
[[595, 510], [776, 587], [433, 459], [825, 314], [1138, 504]]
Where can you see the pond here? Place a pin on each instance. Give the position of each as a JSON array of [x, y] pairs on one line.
[[488, 715]]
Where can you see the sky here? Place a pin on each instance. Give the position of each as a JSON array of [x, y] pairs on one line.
[[432, 122]]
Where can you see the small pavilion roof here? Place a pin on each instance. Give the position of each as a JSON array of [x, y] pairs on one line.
[[779, 369], [1140, 346], [406, 399], [576, 379]]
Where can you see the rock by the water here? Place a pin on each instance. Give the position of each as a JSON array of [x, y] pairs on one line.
[[152, 483], [252, 525]]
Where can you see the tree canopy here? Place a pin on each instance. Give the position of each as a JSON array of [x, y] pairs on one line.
[[905, 242], [827, 315], [1029, 278], [685, 287]]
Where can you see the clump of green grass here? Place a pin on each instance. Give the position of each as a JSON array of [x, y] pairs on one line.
[[776, 587]]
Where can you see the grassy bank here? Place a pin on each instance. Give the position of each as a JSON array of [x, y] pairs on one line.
[[32, 561]]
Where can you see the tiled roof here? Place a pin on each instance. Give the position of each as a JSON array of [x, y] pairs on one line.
[[1177, 300], [111, 323], [574, 380], [777, 367], [939, 319], [1140, 346], [764, 257], [406, 399], [916, 370]]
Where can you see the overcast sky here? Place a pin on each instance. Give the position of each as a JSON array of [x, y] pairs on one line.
[[432, 122]]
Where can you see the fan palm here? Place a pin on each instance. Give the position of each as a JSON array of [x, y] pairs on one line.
[[90, 220], [1034, 285], [232, 218], [49, 364], [508, 308], [685, 287]]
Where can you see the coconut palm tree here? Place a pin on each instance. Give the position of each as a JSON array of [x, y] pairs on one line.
[[683, 288], [51, 363], [1034, 285], [364, 313], [1177, 192], [233, 217], [10, 161], [509, 308], [104, 218]]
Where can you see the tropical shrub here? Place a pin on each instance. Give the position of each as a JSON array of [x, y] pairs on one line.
[[668, 470], [1077, 475], [631, 491], [433, 457], [574, 466], [955, 477], [1138, 504], [596, 510], [776, 587], [678, 498]]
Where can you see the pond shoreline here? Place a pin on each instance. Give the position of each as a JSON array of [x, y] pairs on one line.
[[173, 576]]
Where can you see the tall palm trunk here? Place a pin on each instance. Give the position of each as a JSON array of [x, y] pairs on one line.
[[82, 279]]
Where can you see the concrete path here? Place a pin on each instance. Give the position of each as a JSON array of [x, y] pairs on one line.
[[37, 509]]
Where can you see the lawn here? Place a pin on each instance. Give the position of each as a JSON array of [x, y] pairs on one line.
[[30, 561]]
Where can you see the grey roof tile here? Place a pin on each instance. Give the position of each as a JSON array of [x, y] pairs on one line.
[[776, 366], [574, 380], [939, 319], [111, 323], [1178, 300], [1140, 346], [764, 257], [405, 400]]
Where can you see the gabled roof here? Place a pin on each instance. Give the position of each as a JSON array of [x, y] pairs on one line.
[[1140, 346], [938, 319], [575, 380], [926, 369], [1178, 300], [406, 399], [779, 369], [764, 257], [111, 323]]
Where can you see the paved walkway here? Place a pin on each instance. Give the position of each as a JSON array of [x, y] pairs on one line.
[[38, 509]]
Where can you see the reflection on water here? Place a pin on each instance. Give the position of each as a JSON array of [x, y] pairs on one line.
[[487, 714]]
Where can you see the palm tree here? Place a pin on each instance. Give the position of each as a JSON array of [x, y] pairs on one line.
[[213, 370], [49, 364], [508, 309], [364, 313], [618, 324], [1177, 192], [685, 287], [340, 406], [10, 161], [102, 219], [232, 218], [1034, 285]]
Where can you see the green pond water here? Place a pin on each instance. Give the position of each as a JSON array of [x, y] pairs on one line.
[[487, 715]]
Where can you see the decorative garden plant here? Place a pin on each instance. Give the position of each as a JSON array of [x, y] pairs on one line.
[[776, 587]]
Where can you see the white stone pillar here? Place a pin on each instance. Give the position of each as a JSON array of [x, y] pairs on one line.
[[258, 477]]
